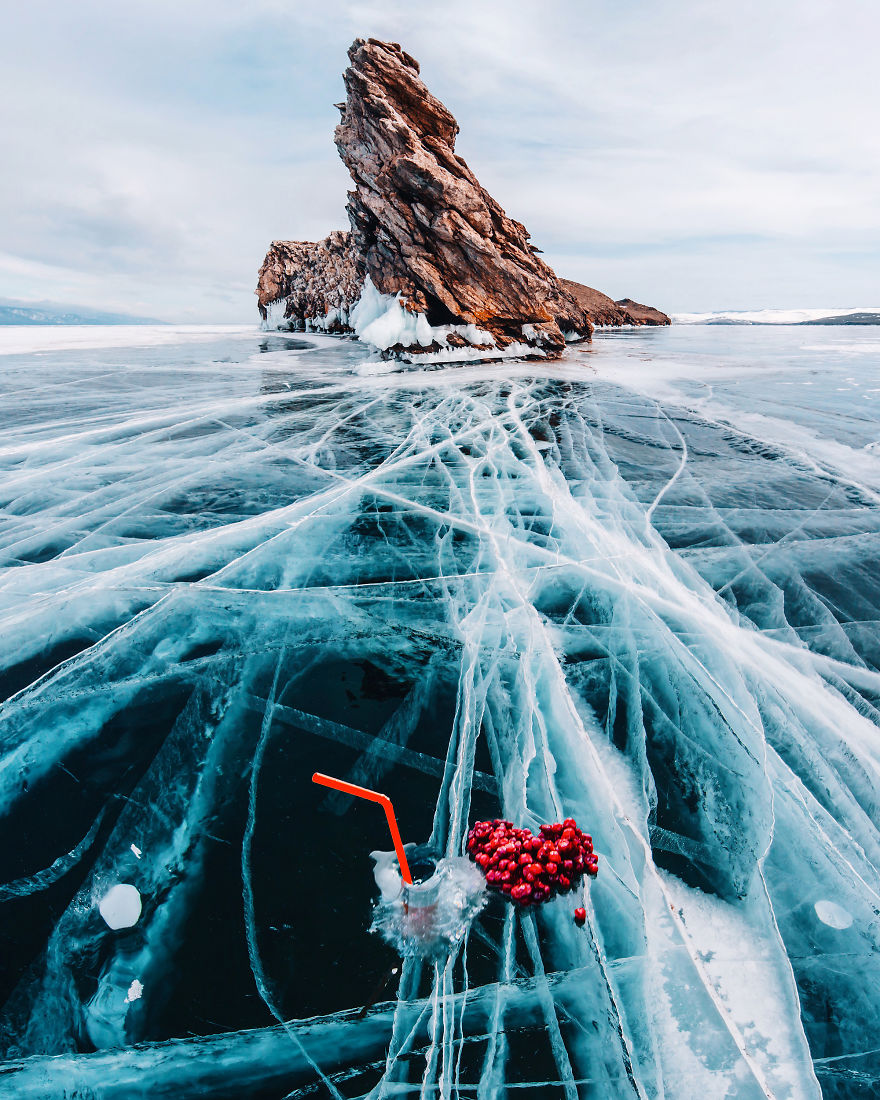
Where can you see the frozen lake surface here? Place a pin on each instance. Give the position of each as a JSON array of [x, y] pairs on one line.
[[639, 587]]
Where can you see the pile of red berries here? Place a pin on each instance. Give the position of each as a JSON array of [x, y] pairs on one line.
[[530, 869]]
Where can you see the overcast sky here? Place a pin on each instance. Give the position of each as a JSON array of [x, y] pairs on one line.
[[693, 154]]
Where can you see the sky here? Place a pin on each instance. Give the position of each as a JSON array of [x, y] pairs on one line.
[[692, 154]]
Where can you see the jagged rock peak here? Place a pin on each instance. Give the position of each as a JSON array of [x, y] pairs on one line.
[[432, 267], [422, 225]]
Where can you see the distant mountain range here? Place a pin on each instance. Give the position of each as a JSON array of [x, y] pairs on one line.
[[864, 316], [13, 312]]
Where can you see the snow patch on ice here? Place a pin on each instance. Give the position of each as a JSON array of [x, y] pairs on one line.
[[372, 368], [832, 914], [738, 954]]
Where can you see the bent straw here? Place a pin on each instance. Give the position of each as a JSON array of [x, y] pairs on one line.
[[384, 801]]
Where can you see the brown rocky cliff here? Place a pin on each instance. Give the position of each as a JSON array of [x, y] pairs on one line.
[[603, 310], [425, 231], [422, 223], [643, 315], [318, 282]]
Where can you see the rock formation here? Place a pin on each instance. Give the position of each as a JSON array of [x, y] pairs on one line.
[[642, 315], [433, 267], [317, 285], [603, 310], [424, 226]]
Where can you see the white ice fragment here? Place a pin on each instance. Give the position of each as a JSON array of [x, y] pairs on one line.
[[832, 914], [135, 992], [121, 906], [136, 851], [387, 876]]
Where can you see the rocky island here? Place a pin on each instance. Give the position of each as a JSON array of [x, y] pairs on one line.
[[433, 269]]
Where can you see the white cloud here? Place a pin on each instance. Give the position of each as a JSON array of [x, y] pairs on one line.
[[697, 155]]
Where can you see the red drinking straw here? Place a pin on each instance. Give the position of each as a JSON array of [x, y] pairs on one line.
[[384, 801]]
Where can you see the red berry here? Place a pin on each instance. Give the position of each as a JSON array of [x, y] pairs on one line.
[[580, 916], [529, 868]]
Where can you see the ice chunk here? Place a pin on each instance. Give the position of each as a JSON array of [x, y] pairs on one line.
[[381, 320], [121, 906]]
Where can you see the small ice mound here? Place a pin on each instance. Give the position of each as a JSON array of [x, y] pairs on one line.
[[432, 916], [371, 368], [135, 992], [121, 906], [832, 914]]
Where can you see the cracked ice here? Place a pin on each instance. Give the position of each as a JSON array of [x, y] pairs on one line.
[[637, 587]]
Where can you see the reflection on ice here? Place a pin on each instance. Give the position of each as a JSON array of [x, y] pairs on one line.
[[638, 589]]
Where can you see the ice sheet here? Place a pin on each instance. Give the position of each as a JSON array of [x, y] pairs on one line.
[[23, 339], [637, 587]]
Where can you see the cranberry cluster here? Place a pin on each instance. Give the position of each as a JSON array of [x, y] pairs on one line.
[[530, 869]]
